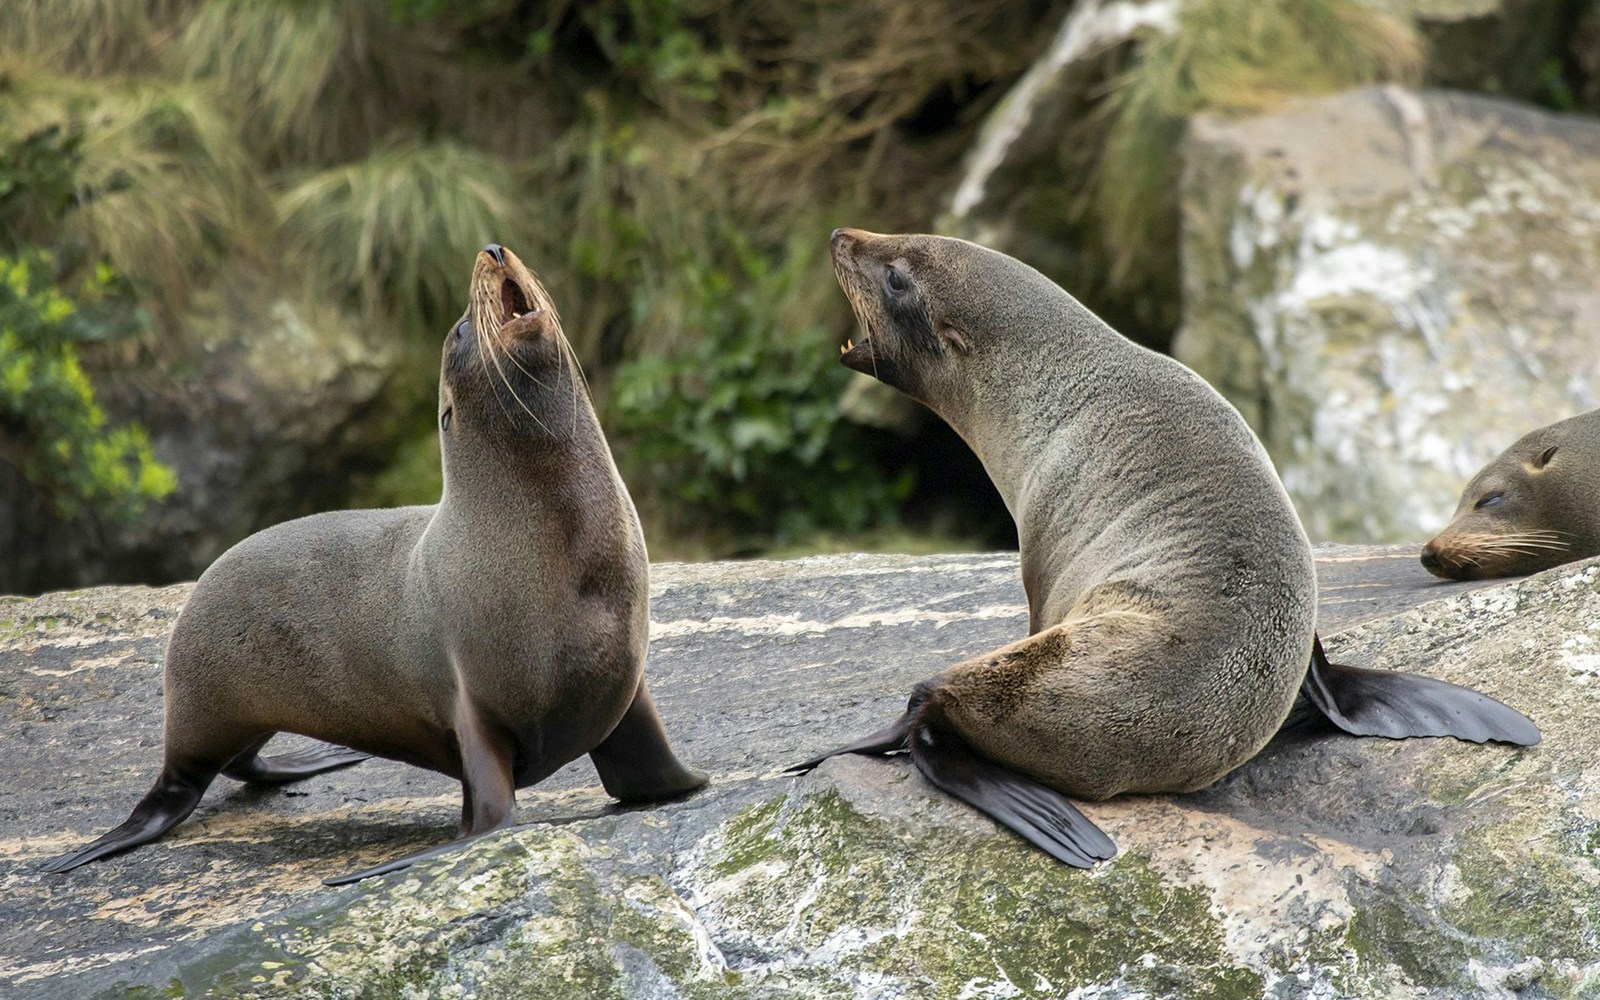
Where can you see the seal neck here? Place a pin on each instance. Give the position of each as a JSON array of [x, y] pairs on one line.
[[1018, 405]]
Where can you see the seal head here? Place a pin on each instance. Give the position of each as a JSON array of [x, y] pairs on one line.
[[1537, 505]]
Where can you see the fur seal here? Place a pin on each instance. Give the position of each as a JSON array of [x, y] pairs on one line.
[[493, 637], [1535, 506], [1171, 589]]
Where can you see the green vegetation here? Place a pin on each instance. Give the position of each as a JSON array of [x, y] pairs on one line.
[[53, 429], [742, 421], [670, 168]]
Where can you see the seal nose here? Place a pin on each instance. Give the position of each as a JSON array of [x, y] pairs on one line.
[[496, 251], [1430, 557], [839, 238]]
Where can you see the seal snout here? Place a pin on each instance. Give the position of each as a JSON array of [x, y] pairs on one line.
[[497, 252], [1430, 559]]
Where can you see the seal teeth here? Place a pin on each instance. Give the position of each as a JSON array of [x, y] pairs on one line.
[[847, 346]]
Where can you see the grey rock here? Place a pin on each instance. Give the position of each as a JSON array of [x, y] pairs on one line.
[[1327, 867], [263, 406], [1392, 286]]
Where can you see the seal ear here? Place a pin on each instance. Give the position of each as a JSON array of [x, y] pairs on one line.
[[955, 338], [1543, 458]]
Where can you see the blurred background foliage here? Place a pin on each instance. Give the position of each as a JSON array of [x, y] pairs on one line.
[[670, 167]]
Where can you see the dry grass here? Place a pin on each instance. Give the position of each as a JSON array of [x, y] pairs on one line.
[[398, 229], [161, 187]]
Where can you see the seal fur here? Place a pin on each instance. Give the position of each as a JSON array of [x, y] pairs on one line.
[[1537, 505], [492, 637], [1171, 588]]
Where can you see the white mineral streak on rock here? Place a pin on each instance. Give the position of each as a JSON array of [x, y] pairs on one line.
[[794, 625], [1090, 27]]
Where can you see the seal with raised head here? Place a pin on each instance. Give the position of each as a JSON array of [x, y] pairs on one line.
[[492, 637], [1535, 506], [1171, 589]]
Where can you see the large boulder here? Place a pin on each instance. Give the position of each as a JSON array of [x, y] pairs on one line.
[[1327, 867], [1392, 286], [264, 407]]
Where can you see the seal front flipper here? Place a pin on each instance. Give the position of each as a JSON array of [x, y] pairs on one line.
[[636, 763], [293, 766], [488, 792], [1396, 705], [894, 738]]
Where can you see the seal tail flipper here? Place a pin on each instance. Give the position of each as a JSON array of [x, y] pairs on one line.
[[894, 738], [168, 803], [293, 766], [1365, 702], [1041, 815]]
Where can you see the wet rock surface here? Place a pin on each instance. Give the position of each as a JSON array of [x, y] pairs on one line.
[[1327, 866]]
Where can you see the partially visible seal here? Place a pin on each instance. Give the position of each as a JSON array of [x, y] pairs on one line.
[[1171, 589], [1535, 506], [493, 637]]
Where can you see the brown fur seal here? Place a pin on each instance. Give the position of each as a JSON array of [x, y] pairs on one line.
[[493, 637], [1535, 506], [1171, 589]]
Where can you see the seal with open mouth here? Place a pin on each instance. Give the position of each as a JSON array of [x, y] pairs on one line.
[[1171, 591], [1537, 505], [492, 637]]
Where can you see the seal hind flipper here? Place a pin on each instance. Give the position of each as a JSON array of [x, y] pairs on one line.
[[1366, 702], [293, 766], [636, 763], [1041, 815], [168, 803]]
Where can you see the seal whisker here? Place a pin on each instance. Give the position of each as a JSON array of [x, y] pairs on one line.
[[505, 380], [484, 351]]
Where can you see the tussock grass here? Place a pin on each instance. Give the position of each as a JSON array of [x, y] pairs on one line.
[[397, 230], [160, 186], [1232, 56], [93, 37], [312, 82]]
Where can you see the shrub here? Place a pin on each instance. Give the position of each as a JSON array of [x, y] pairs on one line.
[[50, 426], [741, 428]]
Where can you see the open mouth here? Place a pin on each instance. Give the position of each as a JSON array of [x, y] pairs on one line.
[[850, 347], [513, 303]]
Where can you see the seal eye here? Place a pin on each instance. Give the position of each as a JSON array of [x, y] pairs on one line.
[[444, 418], [895, 280], [461, 328], [1494, 499]]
